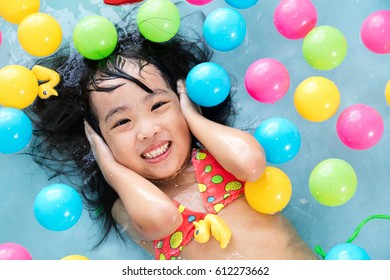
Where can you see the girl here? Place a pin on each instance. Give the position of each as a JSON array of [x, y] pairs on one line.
[[154, 164]]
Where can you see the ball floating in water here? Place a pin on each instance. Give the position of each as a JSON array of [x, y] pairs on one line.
[[317, 99], [375, 32], [387, 92], [15, 11], [95, 37], [75, 257], [333, 182], [280, 138], [240, 4], [324, 47], [40, 34], [267, 80], [58, 207], [158, 20], [360, 127], [208, 84], [199, 2], [295, 18], [15, 130], [18, 86], [14, 251], [347, 251], [224, 29], [270, 193]]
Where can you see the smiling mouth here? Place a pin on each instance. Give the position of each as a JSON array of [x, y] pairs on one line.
[[156, 153]]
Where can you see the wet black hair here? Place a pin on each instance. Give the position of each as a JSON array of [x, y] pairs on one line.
[[59, 143]]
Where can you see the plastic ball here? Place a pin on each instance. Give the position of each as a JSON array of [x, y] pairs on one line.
[[317, 99], [208, 84], [347, 251], [267, 80], [199, 2], [15, 130], [95, 37], [240, 4], [58, 207], [324, 47], [75, 257], [270, 193], [18, 86], [224, 29], [14, 251], [15, 11], [39, 34], [387, 92], [333, 182], [280, 139], [375, 32], [158, 20], [360, 127], [295, 18]]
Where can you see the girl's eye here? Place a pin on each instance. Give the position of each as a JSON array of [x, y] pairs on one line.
[[121, 122], [158, 105]]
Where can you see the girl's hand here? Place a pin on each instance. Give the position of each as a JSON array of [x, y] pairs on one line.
[[188, 108], [102, 153]]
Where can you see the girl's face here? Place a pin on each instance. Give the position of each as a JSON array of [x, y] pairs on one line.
[[146, 132]]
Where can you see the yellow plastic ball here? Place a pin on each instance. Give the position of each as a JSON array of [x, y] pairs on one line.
[[18, 86], [387, 92], [270, 193], [15, 11], [40, 34], [75, 257], [317, 99]]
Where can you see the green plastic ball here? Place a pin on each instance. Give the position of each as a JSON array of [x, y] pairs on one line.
[[158, 20], [324, 47], [333, 182], [95, 37]]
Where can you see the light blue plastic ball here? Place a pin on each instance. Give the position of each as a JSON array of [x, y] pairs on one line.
[[15, 130], [58, 207], [347, 251], [208, 84], [241, 4], [280, 139], [224, 29]]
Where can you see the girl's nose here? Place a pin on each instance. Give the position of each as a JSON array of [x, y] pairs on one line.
[[147, 131]]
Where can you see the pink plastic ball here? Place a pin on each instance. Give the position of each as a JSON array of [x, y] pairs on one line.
[[199, 2], [14, 251], [360, 127], [375, 32], [295, 18], [267, 80]]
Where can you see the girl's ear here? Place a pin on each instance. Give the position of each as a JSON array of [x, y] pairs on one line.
[[180, 86]]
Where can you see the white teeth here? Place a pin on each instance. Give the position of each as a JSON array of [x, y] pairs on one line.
[[156, 152]]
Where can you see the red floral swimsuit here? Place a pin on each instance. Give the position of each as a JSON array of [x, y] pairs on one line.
[[217, 187]]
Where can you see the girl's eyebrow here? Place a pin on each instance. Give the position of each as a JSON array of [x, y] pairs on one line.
[[147, 97], [114, 111]]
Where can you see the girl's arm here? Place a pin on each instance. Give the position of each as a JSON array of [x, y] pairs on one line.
[[236, 150], [152, 213]]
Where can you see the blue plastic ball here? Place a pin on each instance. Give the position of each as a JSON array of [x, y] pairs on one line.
[[280, 138], [224, 29], [15, 130], [347, 251], [208, 84], [58, 207], [241, 4]]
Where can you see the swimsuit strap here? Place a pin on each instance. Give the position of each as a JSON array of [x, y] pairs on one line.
[[217, 186]]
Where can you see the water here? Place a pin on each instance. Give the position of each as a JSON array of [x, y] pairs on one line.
[[361, 78]]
